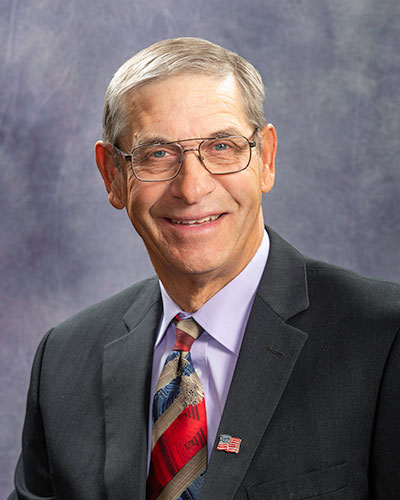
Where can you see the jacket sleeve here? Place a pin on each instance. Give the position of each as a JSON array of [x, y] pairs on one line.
[[385, 463], [32, 475]]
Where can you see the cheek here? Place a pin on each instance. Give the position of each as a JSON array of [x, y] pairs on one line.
[[136, 200], [142, 197], [245, 189]]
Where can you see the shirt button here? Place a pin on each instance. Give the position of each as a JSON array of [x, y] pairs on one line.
[[198, 371]]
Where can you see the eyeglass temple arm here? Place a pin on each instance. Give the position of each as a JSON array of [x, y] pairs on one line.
[[252, 142], [125, 156]]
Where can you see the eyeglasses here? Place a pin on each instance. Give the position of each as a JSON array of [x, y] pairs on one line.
[[163, 161]]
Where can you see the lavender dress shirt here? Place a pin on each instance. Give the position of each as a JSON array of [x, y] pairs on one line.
[[214, 354]]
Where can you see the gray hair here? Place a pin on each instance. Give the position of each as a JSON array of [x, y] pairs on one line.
[[172, 57]]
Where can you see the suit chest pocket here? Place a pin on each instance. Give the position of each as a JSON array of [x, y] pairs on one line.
[[328, 484]]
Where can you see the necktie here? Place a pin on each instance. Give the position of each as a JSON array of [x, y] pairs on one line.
[[179, 440]]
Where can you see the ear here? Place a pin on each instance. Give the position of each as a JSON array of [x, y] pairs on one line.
[[268, 153], [114, 178]]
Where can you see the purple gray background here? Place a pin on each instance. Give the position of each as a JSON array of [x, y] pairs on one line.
[[332, 69]]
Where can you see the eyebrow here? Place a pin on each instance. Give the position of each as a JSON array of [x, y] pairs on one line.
[[155, 139]]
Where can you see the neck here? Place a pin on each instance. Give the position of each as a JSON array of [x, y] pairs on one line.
[[191, 291]]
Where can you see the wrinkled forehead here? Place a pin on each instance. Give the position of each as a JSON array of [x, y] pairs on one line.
[[183, 106]]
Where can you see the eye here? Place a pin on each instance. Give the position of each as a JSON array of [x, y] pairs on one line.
[[221, 146], [160, 153]]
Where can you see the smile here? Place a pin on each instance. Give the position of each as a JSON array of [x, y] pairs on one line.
[[192, 222]]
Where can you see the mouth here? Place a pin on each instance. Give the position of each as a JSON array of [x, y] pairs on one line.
[[196, 222]]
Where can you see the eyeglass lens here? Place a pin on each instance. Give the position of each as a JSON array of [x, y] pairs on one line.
[[219, 156]]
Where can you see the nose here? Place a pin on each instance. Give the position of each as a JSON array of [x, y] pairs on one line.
[[193, 182]]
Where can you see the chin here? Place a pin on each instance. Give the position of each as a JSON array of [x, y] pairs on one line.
[[193, 265], [212, 269], [195, 268]]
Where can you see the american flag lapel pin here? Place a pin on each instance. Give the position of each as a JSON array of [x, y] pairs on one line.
[[228, 443]]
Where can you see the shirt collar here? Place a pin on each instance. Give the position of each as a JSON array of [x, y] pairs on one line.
[[224, 316]]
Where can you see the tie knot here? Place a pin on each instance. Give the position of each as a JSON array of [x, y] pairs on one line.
[[187, 331]]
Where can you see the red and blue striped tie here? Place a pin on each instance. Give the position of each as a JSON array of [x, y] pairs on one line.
[[179, 444]]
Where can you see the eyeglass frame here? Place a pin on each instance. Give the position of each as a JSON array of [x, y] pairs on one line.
[[129, 156]]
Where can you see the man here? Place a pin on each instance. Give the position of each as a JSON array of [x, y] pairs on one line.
[[287, 366]]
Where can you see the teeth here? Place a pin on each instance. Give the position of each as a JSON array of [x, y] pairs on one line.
[[195, 221]]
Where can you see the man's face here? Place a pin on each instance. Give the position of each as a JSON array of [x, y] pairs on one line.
[[197, 224]]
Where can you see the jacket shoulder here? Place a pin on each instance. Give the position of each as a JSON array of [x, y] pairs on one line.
[[350, 291], [104, 320]]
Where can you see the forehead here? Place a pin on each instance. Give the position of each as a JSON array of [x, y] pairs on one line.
[[186, 106]]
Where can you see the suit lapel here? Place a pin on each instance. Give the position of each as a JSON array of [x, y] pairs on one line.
[[127, 365], [267, 357]]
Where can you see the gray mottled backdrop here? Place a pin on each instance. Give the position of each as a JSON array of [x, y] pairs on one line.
[[332, 70]]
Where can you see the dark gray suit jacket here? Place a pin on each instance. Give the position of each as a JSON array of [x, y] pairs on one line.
[[315, 395]]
